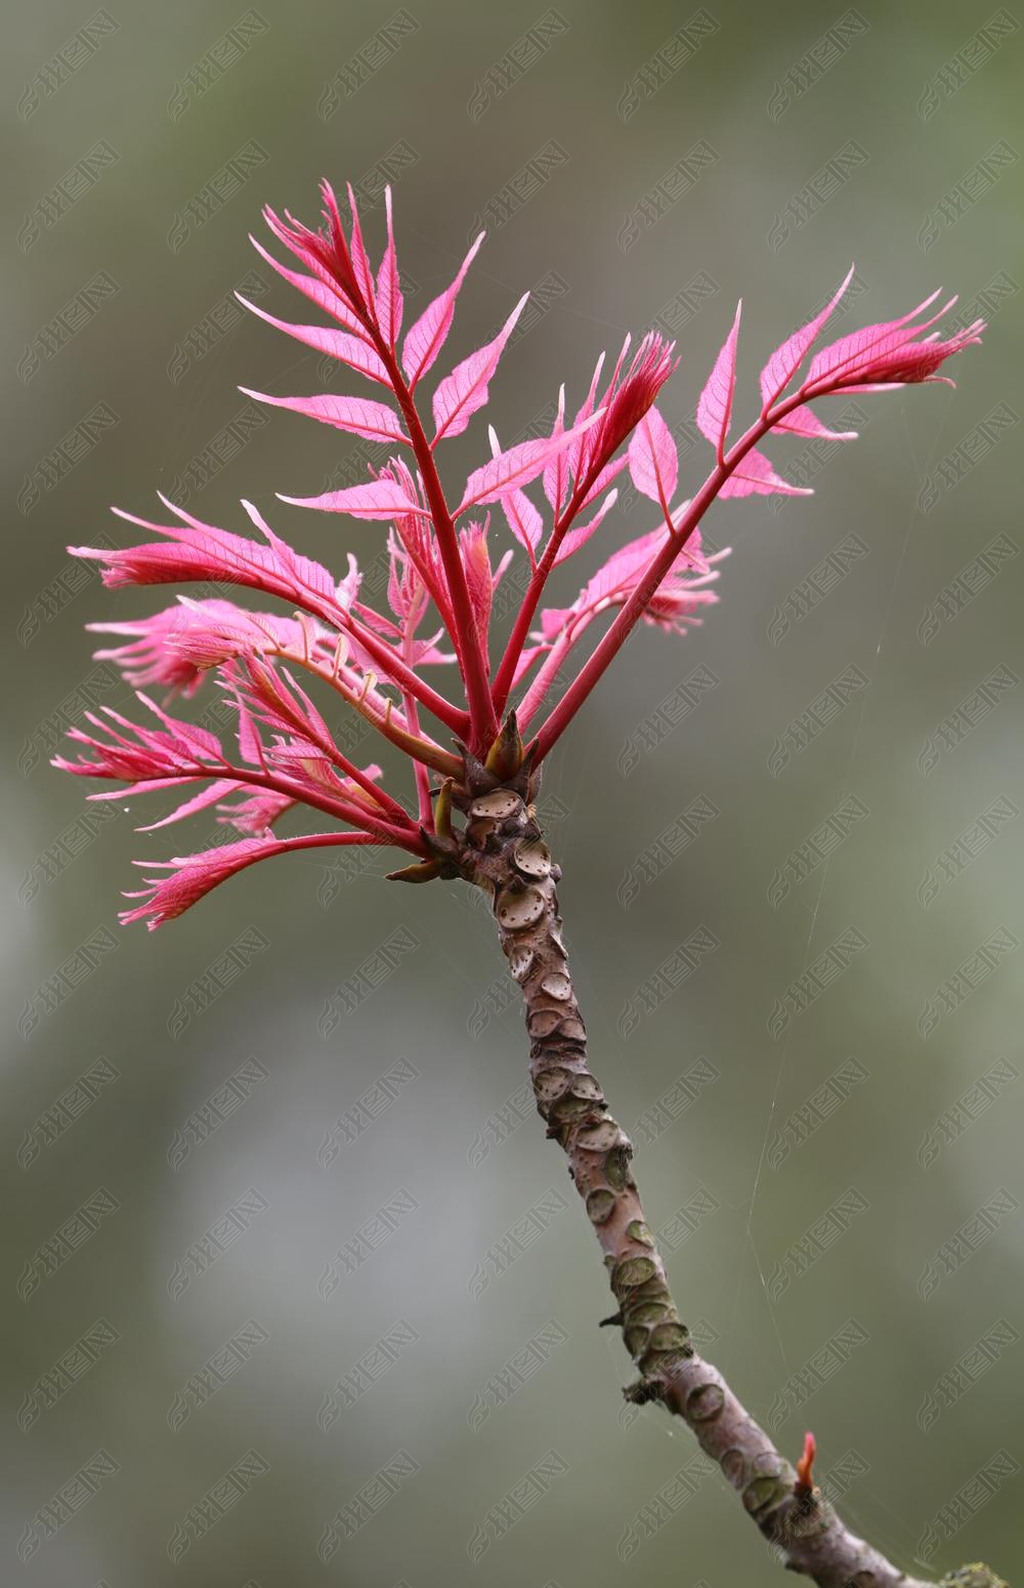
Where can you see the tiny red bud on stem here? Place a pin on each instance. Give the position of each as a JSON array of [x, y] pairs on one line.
[[804, 1476]]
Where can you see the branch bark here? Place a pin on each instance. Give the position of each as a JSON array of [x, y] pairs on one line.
[[502, 850]]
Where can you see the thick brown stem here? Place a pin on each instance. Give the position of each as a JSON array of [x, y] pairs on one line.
[[503, 851]]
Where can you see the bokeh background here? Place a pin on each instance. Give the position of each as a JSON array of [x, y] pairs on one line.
[[819, 792]]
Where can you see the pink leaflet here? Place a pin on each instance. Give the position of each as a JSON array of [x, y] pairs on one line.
[[604, 478], [250, 745], [714, 409], [381, 498], [756, 477], [342, 345], [581, 534], [357, 251], [358, 415], [653, 459], [524, 520], [387, 296], [622, 570], [518, 466], [429, 333], [407, 594], [803, 421], [198, 802], [190, 877], [147, 785], [557, 471], [465, 390], [787, 358]]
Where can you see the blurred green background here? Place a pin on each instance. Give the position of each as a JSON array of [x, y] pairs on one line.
[[636, 164]]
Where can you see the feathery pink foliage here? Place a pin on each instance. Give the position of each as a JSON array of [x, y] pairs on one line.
[[555, 493]]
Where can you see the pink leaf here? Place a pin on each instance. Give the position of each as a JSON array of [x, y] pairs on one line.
[[429, 333], [803, 421], [516, 467], [756, 477], [714, 410], [198, 802], [653, 459], [786, 360], [351, 350], [610, 472], [581, 534], [462, 392], [357, 249], [556, 470], [358, 415], [388, 294], [376, 499], [524, 520]]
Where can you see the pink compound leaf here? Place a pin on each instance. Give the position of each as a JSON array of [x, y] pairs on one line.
[[196, 551], [190, 878]]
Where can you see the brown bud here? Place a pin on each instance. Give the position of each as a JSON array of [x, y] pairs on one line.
[[505, 757]]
